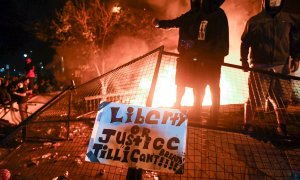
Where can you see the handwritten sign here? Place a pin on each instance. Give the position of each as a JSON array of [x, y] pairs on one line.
[[139, 137]]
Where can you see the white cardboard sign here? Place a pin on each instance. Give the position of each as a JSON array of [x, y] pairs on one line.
[[139, 137]]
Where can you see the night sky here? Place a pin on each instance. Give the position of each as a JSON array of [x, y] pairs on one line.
[[15, 40]]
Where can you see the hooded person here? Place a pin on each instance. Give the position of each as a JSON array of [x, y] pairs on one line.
[[203, 44], [212, 45], [188, 25], [272, 7], [273, 37]]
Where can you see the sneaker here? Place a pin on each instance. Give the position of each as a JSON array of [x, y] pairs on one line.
[[268, 106], [248, 128], [281, 130]]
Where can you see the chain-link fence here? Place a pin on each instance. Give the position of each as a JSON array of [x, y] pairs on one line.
[[52, 142]]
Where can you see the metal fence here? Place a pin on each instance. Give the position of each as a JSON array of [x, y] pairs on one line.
[[52, 142]]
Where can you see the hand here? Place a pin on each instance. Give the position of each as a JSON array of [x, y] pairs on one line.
[[245, 65], [294, 65]]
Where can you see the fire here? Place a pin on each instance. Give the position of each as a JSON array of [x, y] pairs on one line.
[[165, 93]]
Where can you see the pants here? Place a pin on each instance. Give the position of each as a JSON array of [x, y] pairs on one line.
[[31, 83], [185, 71], [208, 74], [265, 88], [23, 110]]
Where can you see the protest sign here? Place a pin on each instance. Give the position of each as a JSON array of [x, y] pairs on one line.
[[139, 137]]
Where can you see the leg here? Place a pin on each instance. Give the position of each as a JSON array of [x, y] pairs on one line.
[[215, 107], [280, 94], [255, 88], [214, 83], [31, 84], [199, 93], [179, 94], [23, 111]]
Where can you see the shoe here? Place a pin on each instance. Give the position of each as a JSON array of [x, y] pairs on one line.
[[281, 130], [248, 128], [268, 106]]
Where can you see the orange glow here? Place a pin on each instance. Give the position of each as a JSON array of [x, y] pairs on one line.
[[233, 86]]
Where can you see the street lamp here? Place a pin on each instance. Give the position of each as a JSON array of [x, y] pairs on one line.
[[116, 9]]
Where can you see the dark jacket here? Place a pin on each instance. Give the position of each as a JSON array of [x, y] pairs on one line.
[[188, 25], [214, 47], [216, 44], [271, 39], [22, 99]]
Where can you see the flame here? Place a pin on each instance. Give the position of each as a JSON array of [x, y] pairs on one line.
[[165, 93]]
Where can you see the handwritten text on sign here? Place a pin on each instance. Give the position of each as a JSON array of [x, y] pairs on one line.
[[140, 137]]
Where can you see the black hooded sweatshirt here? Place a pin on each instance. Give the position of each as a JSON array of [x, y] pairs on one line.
[[272, 38], [215, 45]]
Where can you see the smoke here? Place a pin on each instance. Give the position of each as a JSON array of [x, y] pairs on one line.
[[238, 12], [124, 49], [169, 9], [164, 9]]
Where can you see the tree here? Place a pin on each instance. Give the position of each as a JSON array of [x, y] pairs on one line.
[[88, 24], [82, 31]]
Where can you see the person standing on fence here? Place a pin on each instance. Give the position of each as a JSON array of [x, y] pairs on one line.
[[188, 24], [203, 43], [30, 72], [22, 97], [273, 38], [212, 46]]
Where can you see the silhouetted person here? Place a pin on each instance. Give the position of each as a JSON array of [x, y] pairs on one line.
[[22, 94], [273, 37], [212, 46], [30, 72], [203, 43], [12, 87], [5, 97], [188, 25]]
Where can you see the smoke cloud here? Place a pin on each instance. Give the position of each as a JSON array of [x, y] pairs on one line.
[[124, 49]]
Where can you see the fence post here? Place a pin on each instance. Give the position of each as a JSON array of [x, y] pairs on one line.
[[134, 173], [155, 77], [73, 86]]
